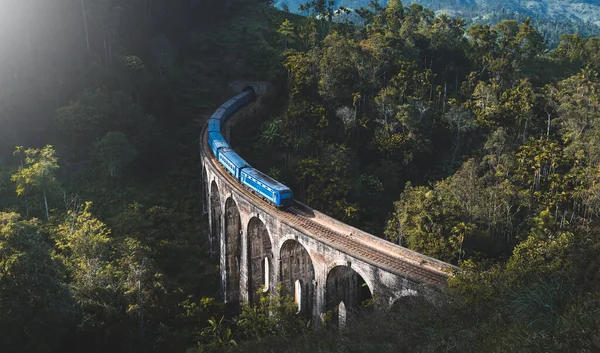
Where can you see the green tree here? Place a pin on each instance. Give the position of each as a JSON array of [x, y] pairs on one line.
[[287, 32], [96, 113], [36, 308], [38, 172], [84, 244], [274, 315], [116, 153]]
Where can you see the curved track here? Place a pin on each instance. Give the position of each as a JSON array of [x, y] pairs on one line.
[[361, 245]]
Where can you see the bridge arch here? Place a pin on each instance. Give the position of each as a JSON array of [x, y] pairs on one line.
[[233, 251], [260, 259], [215, 220], [297, 275], [345, 289]]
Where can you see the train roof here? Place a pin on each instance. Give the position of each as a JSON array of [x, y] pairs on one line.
[[235, 99], [233, 157], [241, 95], [272, 183], [217, 139], [214, 125], [218, 113], [229, 103], [214, 136]]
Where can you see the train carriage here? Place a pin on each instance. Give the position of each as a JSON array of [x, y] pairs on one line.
[[245, 97], [234, 103], [216, 141], [267, 187], [219, 114], [214, 125], [230, 106], [232, 161]]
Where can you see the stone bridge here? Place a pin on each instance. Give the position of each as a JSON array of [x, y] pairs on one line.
[[325, 264]]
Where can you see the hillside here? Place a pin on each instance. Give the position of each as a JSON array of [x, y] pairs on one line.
[[477, 146], [573, 10], [551, 17]]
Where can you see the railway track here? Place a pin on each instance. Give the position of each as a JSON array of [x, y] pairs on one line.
[[369, 253]]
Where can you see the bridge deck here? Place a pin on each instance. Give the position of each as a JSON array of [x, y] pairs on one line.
[[352, 241]]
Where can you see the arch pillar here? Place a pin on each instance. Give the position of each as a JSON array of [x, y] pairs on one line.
[[205, 195], [231, 250], [260, 247], [297, 274], [215, 220], [319, 310], [244, 273]]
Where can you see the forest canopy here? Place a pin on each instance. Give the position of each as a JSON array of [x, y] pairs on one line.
[[476, 144]]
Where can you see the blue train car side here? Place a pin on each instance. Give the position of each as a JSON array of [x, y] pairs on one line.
[[219, 114], [216, 141], [230, 106], [232, 161], [267, 187], [234, 103], [214, 125], [245, 97]]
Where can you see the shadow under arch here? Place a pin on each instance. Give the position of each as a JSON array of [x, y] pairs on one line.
[[233, 246], [260, 259], [297, 275], [344, 285], [215, 217]]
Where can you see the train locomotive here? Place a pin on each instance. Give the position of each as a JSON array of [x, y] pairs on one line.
[[261, 184]]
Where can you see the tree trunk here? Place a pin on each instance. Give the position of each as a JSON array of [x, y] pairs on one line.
[[141, 298], [87, 38], [456, 147], [26, 204], [46, 204], [25, 194], [106, 59], [28, 42]]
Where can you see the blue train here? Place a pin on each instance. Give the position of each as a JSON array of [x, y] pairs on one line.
[[261, 184]]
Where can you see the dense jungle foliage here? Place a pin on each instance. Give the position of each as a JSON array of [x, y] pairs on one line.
[[102, 232], [477, 145]]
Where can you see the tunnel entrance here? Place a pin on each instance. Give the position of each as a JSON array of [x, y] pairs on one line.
[[297, 275], [250, 88], [346, 290], [260, 259], [215, 217], [233, 243]]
